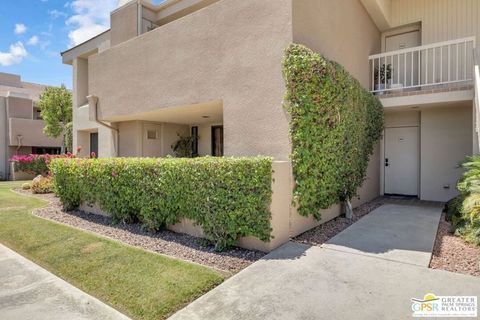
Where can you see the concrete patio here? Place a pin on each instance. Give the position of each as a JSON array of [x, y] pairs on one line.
[[369, 271]]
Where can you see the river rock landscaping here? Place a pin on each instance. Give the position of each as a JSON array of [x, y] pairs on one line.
[[165, 242], [452, 253], [324, 232]]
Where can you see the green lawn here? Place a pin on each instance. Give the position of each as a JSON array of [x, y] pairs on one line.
[[140, 284]]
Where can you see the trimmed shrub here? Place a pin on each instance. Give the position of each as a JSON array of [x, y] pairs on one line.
[[466, 208], [26, 186], [228, 197], [36, 163], [42, 185], [335, 124]]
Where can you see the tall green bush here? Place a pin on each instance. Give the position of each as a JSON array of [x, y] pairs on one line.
[[334, 126], [465, 209], [228, 197]]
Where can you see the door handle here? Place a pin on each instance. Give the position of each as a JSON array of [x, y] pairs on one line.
[[386, 162]]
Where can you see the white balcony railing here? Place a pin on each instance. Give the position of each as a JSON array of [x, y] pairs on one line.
[[448, 62]]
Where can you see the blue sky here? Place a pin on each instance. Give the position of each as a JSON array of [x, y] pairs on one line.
[[34, 32]]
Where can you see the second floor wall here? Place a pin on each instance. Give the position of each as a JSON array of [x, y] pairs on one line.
[[229, 51], [20, 125], [425, 43], [440, 20]]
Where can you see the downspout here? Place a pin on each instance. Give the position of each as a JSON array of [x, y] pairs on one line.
[[19, 142], [93, 115]]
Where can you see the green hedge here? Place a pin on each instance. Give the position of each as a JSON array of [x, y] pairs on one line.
[[228, 197], [335, 124]]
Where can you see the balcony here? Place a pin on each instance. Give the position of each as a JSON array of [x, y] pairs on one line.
[[437, 67], [30, 133]]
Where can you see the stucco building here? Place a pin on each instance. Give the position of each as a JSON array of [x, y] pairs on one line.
[[213, 68], [21, 126]]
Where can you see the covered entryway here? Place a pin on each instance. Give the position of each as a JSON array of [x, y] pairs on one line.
[[182, 131], [402, 161], [422, 147]]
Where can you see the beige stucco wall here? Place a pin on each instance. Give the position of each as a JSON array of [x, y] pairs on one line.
[[124, 23], [446, 139], [19, 108], [179, 9], [441, 20], [19, 175], [380, 11], [340, 30], [80, 82], [133, 141], [403, 118], [31, 132], [130, 138], [82, 126], [192, 59]]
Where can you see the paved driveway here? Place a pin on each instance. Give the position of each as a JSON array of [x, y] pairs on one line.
[[355, 276], [30, 292]]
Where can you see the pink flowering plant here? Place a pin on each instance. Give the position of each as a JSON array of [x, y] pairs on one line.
[[37, 164]]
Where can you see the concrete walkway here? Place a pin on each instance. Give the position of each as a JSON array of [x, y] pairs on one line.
[[28, 291], [360, 278], [394, 232]]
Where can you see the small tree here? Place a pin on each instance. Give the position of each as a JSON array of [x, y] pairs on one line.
[[56, 110]]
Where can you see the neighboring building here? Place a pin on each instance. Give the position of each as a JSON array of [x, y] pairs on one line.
[[214, 67], [21, 127]]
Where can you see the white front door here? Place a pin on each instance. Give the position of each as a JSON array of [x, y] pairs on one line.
[[402, 161]]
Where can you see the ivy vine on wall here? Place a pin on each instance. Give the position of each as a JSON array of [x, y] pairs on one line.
[[334, 126]]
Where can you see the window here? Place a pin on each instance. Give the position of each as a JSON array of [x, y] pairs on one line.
[[45, 150], [152, 135], [217, 141], [37, 115], [194, 134], [94, 144]]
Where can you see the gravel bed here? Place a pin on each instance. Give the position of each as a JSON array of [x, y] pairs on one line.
[[454, 254], [166, 242], [328, 230]]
